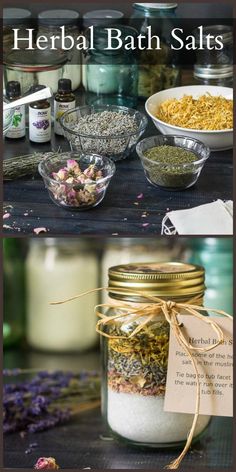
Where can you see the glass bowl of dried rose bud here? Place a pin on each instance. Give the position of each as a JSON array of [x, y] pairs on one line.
[[77, 181], [109, 130]]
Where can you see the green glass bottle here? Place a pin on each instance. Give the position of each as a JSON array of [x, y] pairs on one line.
[[14, 292], [216, 256]]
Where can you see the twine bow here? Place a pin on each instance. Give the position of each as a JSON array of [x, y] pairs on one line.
[[148, 312]]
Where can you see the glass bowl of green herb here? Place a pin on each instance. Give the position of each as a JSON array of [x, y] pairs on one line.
[[172, 162]]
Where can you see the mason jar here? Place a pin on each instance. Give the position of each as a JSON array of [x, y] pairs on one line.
[[15, 18], [135, 368], [216, 254], [49, 23], [35, 68], [127, 250], [56, 270], [158, 68], [111, 76]]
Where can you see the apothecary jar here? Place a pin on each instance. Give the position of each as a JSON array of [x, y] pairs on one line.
[[135, 368]]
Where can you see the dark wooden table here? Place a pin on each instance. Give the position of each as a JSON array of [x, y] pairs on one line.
[[120, 213], [86, 443]]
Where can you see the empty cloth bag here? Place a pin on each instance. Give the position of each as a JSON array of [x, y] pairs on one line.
[[214, 218]]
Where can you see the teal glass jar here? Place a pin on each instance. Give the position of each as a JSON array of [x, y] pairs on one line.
[[158, 68], [216, 255], [111, 76], [14, 292]]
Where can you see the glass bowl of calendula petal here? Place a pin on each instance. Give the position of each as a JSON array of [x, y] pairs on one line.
[[172, 162], [77, 182]]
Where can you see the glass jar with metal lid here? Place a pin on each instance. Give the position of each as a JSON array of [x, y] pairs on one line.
[[135, 367], [111, 76], [35, 68], [214, 67], [14, 18], [105, 18], [158, 68], [50, 23]]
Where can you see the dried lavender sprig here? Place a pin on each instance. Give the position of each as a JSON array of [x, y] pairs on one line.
[[48, 399]]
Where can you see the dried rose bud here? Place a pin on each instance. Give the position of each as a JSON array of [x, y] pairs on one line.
[[62, 174], [46, 463], [72, 164]]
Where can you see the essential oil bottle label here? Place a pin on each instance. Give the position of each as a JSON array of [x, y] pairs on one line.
[[40, 125], [59, 109], [17, 129]]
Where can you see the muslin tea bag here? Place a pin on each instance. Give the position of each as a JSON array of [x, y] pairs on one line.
[[214, 218]]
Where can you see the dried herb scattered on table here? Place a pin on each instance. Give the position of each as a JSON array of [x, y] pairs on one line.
[[25, 166], [176, 169], [139, 364], [47, 399]]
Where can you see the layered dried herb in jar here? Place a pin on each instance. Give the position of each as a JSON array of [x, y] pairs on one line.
[[135, 354]]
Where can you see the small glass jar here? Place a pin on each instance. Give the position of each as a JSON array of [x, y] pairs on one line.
[[216, 254], [111, 76], [213, 75], [49, 23], [135, 369], [56, 270], [14, 291], [32, 68], [214, 67], [158, 69]]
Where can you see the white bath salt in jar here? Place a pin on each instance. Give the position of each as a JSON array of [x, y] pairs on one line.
[[135, 368], [57, 269]]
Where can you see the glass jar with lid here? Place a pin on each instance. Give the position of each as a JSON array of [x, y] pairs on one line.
[[105, 18], [56, 269], [35, 68], [49, 23], [111, 76], [214, 67], [135, 368], [14, 18], [158, 68], [127, 250]]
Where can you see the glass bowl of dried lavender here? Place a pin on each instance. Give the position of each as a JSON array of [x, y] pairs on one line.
[[108, 130], [172, 162], [77, 181]]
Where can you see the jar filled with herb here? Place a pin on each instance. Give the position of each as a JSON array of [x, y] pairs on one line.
[[15, 18], [158, 68], [135, 366], [111, 76]]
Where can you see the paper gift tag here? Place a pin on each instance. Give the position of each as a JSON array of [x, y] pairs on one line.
[[215, 369]]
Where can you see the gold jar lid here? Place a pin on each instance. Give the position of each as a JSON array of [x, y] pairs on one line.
[[165, 279]]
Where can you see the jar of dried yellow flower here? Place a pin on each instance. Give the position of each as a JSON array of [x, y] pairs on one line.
[[135, 352]]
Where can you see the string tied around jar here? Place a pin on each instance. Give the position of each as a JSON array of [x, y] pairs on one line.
[[147, 312]]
